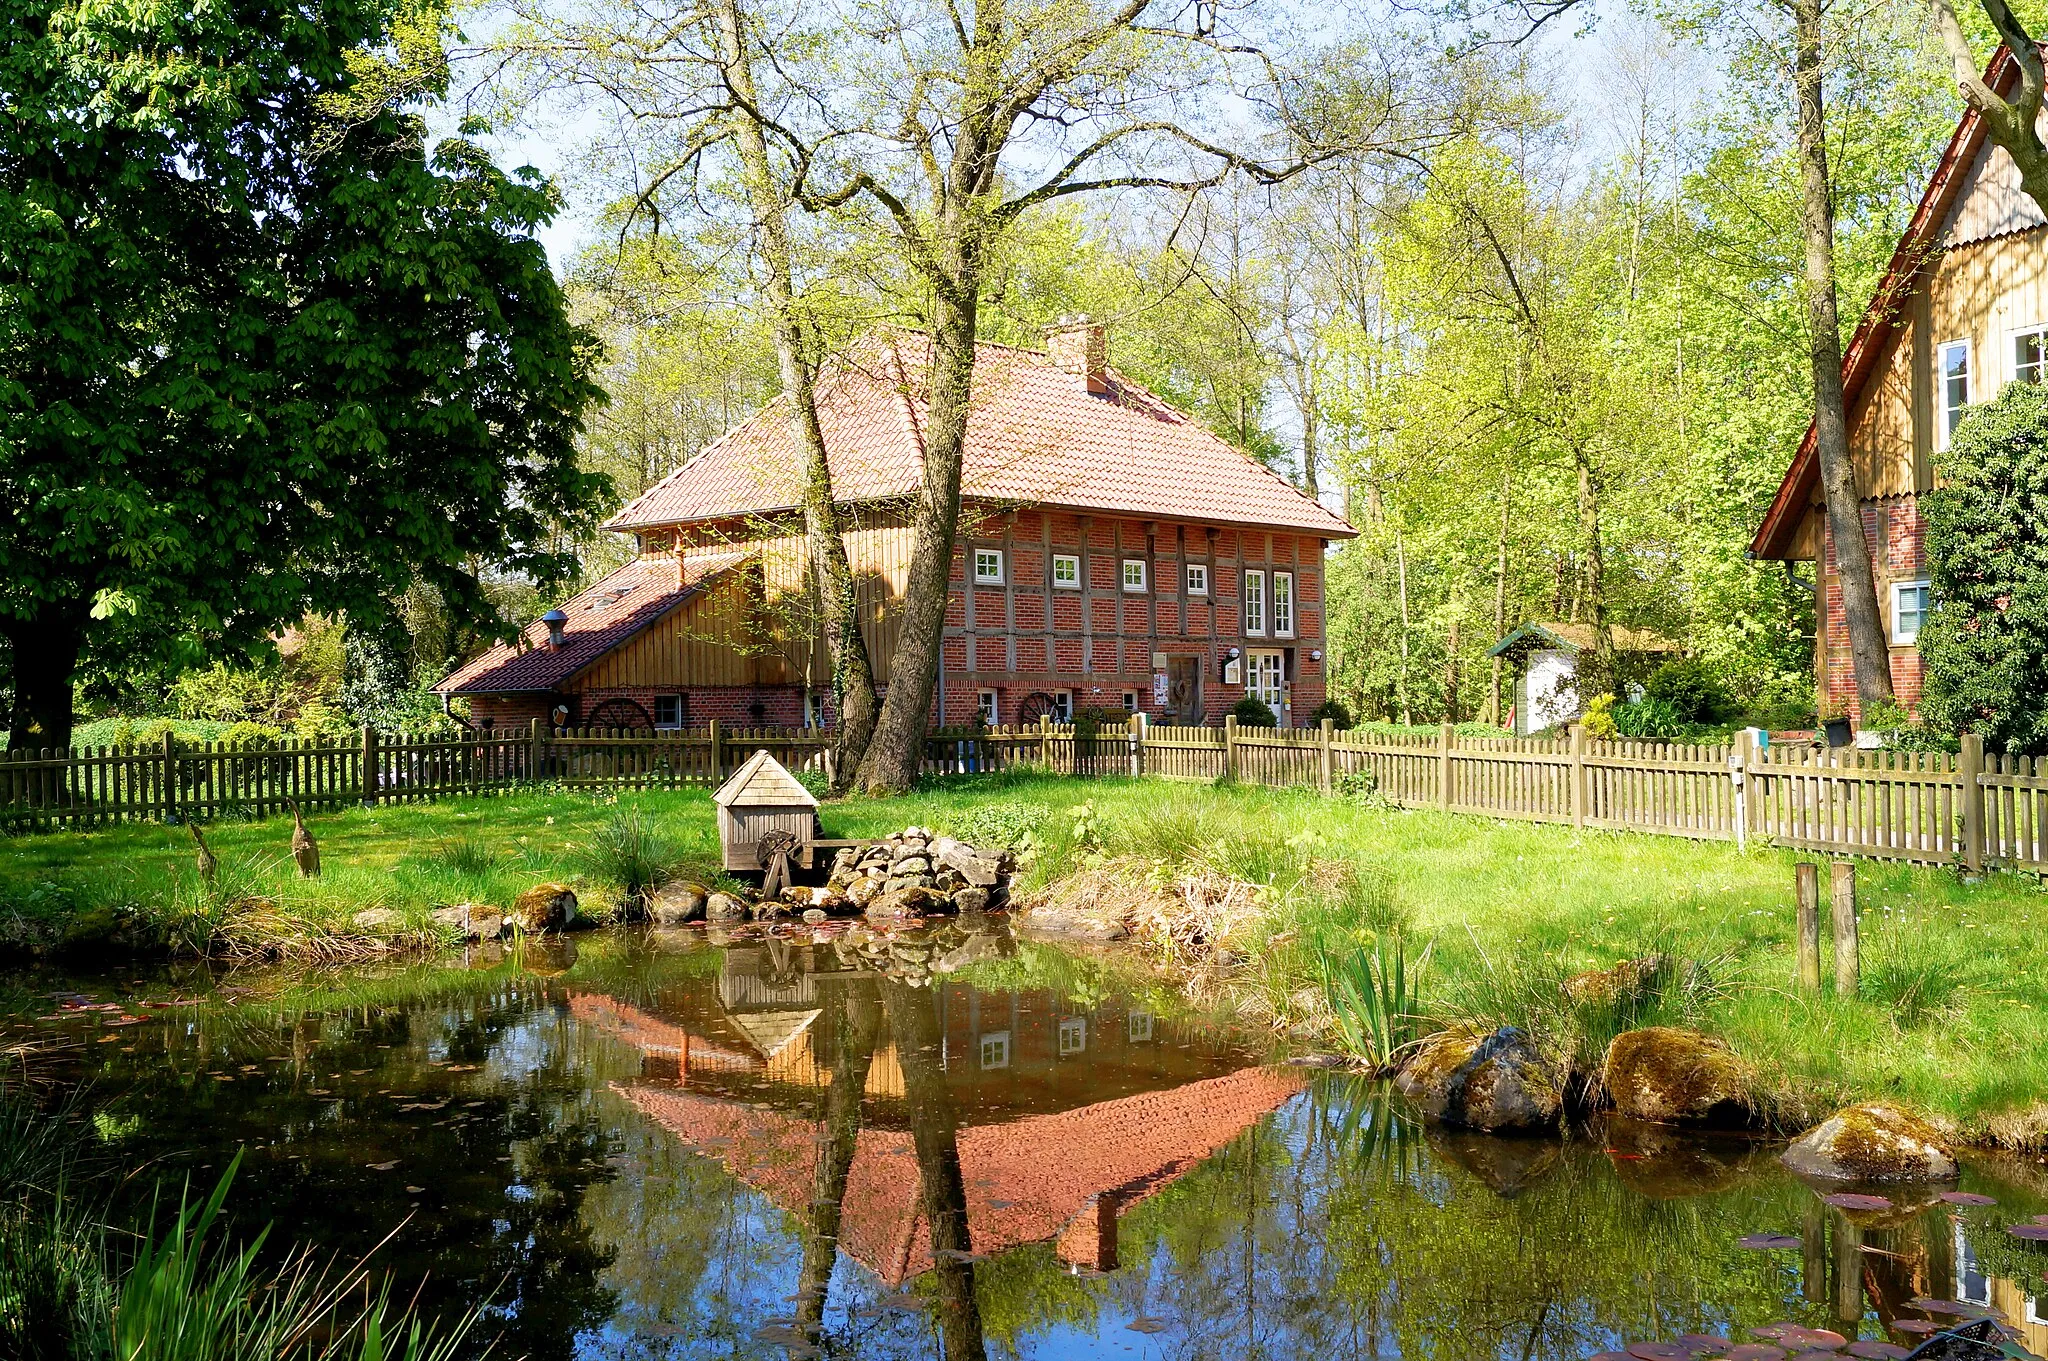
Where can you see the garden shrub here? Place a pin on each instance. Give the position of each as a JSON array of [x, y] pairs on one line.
[[1251, 712], [1599, 716], [1336, 710], [1985, 641], [1690, 689], [1000, 826], [1647, 718]]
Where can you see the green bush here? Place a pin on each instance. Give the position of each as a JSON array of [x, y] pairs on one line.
[[1336, 710], [1251, 712], [1647, 718], [630, 853], [1000, 826], [1690, 689], [1985, 640]]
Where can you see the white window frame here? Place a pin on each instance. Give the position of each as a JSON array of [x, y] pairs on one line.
[[1198, 578], [1139, 1027], [1948, 416], [1901, 638], [1063, 706], [1266, 664], [1130, 701], [994, 1049], [1143, 574], [988, 566], [668, 727], [1073, 1036], [2039, 330], [1067, 560], [1255, 604], [1283, 605], [814, 711], [989, 705]]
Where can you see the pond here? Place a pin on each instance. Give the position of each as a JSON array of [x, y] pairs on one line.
[[945, 1143]]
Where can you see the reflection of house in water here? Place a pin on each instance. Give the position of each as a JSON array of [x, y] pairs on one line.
[[1067, 1114], [2025, 1311]]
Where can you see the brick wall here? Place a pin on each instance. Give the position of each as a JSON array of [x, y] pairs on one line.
[[1896, 535]]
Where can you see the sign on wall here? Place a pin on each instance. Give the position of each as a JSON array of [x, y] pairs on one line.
[[1159, 687], [1233, 671]]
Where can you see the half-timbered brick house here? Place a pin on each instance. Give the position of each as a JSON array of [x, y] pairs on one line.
[[1113, 553]]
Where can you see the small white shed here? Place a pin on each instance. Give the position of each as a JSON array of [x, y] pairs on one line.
[[758, 798], [1544, 659]]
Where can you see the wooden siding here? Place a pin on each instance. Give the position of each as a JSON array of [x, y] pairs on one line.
[[1991, 202], [719, 638]]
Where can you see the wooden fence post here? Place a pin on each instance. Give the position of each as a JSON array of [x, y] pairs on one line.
[[1446, 738], [370, 780], [1807, 875], [1738, 772], [1136, 724], [1329, 757], [170, 775], [536, 750], [1044, 742], [1230, 747], [1578, 775], [717, 752], [1970, 793], [1847, 963]]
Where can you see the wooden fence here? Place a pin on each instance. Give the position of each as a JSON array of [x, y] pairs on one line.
[[1928, 807]]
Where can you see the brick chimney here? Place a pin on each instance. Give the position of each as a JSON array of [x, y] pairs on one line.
[[1081, 347]]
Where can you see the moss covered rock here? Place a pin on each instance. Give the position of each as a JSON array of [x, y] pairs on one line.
[[1874, 1142], [545, 907], [1624, 982], [1480, 1080], [1677, 1077]]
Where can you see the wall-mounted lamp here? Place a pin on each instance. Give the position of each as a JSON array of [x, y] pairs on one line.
[[555, 620], [1316, 655], [1230, 654]]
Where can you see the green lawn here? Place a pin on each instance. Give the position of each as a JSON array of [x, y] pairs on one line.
[[1951, 1017]]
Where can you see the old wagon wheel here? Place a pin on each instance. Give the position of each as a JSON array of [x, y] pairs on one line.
[[775, 851], [1036, 705]]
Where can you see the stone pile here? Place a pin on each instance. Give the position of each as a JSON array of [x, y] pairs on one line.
[[911, 874]]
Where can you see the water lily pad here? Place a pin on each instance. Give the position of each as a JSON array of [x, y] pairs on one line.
[[1927, 1305], [1609, 1356], [1918, 1326], [1855, 1200], [1817, 1354], [1659, 1351], [1774, 1331], [1755, 1351], [1816, 1339], [2033, 1233], [1148, 1325], [1966, 1198], [1704, 1344], [1767, 1242], [1877, 1351]]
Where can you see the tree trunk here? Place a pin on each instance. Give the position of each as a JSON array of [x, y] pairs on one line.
[[1830, 422], [45, 650], [1309, 454], [1500, 594], [853, 673], [1401, 685], [1451, 666], [897, 751], [942, 1189], [1594, 574], [857, 1033], [2012, 124]]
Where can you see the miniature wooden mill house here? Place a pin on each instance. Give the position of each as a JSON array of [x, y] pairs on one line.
[[763, 803]]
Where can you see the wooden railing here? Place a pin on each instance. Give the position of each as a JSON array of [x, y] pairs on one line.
[[1927, 807]]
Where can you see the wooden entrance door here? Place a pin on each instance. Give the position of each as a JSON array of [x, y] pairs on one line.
[[1184, 690]]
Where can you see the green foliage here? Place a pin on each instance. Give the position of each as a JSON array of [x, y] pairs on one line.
[[1985, 643], [1375, 998], [468, 855], [1902, 732], [1692, 691], [1000, 824], [630, 852], [391, 386], [1598, 717], [1336, 710], [1647, 718], [815, 782], [1251, 712]]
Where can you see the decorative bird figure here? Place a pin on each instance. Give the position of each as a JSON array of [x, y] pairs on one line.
[[305, 850], [203, 854]]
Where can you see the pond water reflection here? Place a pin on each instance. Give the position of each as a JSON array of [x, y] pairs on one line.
[[942, 1143]]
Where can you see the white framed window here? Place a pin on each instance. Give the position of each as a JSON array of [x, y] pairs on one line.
[[1130, 701], [1283, 604], [1255, 603], [988, 566], [1909, 611], [1134, 574], [1198, 578], [985, 704], [995, 1049], [1063, 706], [1954, 376], [2034, 1315], [1066, 572], [1972, 1285], [668, 711], [814, 711], [1267, 675], [1140, 1028], [2030, 355], [1073, 1036]]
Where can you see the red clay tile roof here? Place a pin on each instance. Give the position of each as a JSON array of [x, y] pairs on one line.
[[601, 618], [1036, 436], [1915, 253], [1026, 1180]]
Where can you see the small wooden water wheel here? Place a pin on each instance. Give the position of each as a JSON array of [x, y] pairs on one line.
[[776, 850]]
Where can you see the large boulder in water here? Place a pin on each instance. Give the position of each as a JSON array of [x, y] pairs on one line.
[[545, 907], [1475, 1080], [1874, 1142], [1676, 1077], [678, 904]]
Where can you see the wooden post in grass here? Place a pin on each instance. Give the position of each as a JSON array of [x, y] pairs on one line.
[[1578, 774], [1045, 742], [1446, 738], [170, 775], [536, 750], [1229, 747], [1809, 925], [1328, 757], [1847, 963], [1969, 765], [369, 759], [717, 753], [1136, 725]]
